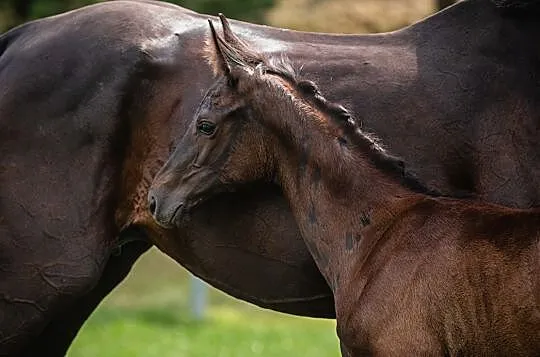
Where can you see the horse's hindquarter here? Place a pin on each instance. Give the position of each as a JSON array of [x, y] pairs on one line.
[[62, 133], [65, 120]]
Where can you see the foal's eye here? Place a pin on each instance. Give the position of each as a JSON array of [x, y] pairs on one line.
[[206, 127], [232, 82]]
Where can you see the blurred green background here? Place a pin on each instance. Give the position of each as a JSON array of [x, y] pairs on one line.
[[149, 314]]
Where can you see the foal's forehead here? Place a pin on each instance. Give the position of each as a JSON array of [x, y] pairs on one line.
[[216, 100], [218, 84], [216, 89]]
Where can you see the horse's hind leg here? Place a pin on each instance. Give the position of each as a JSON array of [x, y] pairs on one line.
[[60, 332], [31, 296], [44, 267]]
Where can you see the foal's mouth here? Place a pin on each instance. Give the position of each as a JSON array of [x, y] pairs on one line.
[[183, 212]]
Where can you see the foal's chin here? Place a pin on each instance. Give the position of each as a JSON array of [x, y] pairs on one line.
[[194, 199], [184, 211], [172, 220]]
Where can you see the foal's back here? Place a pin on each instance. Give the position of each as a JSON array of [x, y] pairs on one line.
[[449, 278]]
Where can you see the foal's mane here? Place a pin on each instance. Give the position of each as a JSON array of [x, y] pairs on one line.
[[342, 119]]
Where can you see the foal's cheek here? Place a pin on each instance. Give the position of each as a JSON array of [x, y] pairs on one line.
[[204, 153], [204, 150], [236, 169], [249, 167]]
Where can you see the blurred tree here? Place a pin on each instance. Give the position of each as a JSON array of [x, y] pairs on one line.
[[14, 12], [248, 10], [22, 8], [348, 16]]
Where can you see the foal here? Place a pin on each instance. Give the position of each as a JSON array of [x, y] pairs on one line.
[[412, 274]]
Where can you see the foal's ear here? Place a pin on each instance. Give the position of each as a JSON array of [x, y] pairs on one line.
[[214, 53], [229, 35]]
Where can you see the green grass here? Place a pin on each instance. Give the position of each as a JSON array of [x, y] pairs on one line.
[[148, 315]]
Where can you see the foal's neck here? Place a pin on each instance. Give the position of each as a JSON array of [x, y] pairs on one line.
[[341, 201]]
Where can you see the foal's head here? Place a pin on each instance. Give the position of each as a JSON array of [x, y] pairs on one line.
[[225, 146]]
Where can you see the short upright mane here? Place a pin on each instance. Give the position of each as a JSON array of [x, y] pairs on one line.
[[343, 119]]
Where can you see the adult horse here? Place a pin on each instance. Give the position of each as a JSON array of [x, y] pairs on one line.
[[89, 113]]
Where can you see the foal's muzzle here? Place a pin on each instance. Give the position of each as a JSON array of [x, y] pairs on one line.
[[165, 207]]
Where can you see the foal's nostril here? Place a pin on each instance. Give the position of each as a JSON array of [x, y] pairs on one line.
[[152, 205]]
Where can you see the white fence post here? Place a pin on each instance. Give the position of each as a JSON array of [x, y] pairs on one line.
[[198, 297]]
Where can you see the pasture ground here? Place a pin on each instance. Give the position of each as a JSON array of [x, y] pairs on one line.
[[148, 315]]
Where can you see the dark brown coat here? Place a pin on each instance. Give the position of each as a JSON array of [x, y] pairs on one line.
[[91, 103]]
